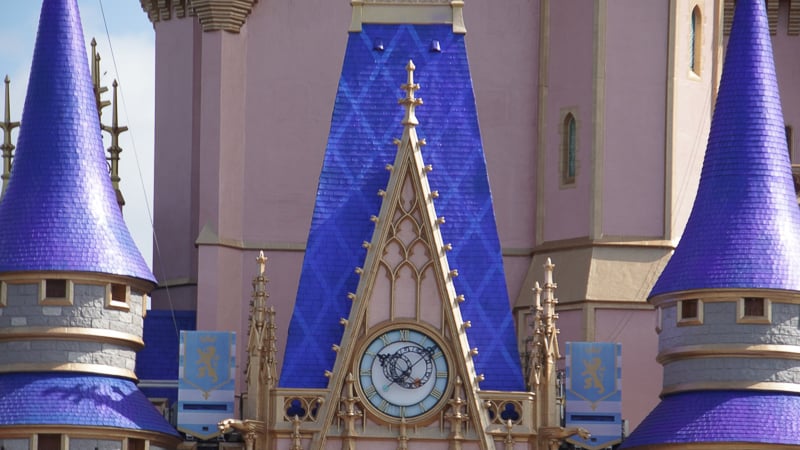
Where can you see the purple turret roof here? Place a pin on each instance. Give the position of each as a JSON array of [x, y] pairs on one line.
[[60, 212], [744, 229]]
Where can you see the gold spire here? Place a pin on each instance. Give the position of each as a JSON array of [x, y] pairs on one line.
[[410, 102], [8, 148], [98, 90]]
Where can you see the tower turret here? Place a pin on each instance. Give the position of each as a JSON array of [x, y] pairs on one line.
[[73, 285], [727, 299]]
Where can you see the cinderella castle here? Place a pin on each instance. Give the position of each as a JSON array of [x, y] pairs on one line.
[[466, 155]]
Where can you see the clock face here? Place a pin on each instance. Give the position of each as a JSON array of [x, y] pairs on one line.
[[403, 373]]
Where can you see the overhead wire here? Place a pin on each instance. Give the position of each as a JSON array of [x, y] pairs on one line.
[[139, 169]]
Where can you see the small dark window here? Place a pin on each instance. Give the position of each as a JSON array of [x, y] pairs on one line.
[[118, 292], [788, 130], [55, 288], [754, 307], [689, 309], [49, 441]]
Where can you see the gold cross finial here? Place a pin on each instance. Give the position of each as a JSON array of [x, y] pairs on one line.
[[410, 102]]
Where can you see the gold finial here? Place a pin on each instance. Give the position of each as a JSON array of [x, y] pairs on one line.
[[410, 102], [8, 148], [114, 150], [262, 263], [98, 90]]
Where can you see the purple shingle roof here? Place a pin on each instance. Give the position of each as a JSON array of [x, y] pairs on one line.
[[744, 229], [59, 212], [79, 400], [721, 416], [743, 233]]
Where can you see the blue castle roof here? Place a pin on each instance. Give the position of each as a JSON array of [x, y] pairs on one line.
[[365, 120], [59, 212], [77, 400], [744, 229]]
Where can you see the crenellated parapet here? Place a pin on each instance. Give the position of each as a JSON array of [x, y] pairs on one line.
[[214, 15]]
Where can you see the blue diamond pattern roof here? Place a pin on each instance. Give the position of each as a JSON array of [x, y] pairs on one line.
[[365, 119], [744, 229], [59, 212], [77, 400], [721, 416]]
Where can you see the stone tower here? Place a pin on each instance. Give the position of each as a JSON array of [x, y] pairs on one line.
[[73, 286], [727, 300]]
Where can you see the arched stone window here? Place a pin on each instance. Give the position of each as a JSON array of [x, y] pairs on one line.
[[695, 40], [569, 148]]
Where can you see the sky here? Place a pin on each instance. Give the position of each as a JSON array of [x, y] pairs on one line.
[[132, 39]]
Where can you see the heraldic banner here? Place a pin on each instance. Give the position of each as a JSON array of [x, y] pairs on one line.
[[207, 376], [594, 392]]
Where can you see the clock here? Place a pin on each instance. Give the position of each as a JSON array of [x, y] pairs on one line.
[[403, 373]]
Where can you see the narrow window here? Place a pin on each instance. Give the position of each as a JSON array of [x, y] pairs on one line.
[[695, 40], [788, 130], [569, 149]]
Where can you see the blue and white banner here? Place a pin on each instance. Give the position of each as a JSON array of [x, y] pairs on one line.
[[594, 392], [206, 384]]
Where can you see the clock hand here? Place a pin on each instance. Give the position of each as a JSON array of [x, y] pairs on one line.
[[402, 376]]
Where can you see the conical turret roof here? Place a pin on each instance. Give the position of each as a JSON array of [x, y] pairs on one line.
[[744, 229], [743, 233], [60, 211]]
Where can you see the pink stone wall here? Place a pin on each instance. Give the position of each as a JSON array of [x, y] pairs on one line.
[[570, 87], [635, 110]]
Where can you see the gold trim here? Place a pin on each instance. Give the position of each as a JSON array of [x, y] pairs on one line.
[[94, 369], [669, 131], [87, 278], [730, 386], [712, 446], [403, 11], [758, 351], [88, 432], [544, 63], [605, 241], [433, 334], [73, 334], [599, 100], [209, 237], [726, 295]]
